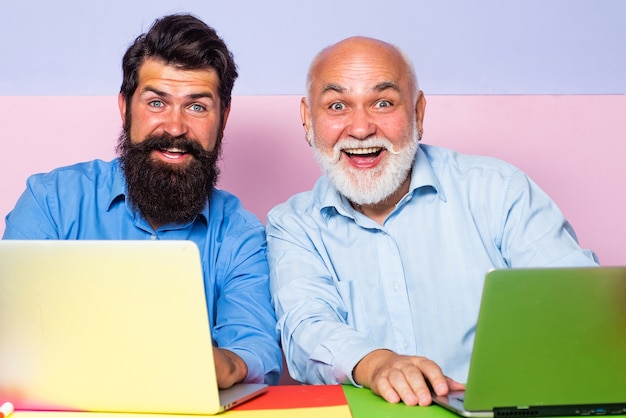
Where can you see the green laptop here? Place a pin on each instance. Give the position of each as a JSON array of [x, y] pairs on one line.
[[549, 342]]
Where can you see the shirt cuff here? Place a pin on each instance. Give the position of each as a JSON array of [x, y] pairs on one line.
[[256, 373], [349, 356]]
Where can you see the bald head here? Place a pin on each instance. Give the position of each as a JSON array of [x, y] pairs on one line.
[[361, 52]]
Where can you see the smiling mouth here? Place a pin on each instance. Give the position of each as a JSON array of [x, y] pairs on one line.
[[363, 152], [172, 153]]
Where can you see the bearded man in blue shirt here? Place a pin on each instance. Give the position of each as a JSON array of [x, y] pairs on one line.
[[376, 274], [174, 102]]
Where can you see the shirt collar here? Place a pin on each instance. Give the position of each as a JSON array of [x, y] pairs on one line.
[[118, 189], [423, 175]]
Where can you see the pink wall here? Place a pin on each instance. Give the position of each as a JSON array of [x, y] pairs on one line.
[[572, 146]]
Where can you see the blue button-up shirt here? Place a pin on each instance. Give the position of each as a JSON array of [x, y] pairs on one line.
[[344, 285], [87, 201]]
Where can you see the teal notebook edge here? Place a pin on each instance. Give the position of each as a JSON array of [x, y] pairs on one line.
[[364, 403]]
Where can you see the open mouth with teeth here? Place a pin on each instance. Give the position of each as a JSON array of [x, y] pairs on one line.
[[173, 154], [364, 157]]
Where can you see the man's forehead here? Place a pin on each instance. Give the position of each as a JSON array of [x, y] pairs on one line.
[[365, 77], [156, 69], [378, 68]]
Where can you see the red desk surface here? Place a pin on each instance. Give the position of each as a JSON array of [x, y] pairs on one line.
[[296, 396]]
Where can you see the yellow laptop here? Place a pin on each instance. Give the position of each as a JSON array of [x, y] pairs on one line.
[[112, 326]]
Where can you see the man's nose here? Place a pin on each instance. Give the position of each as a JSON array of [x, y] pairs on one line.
[[361, 124], [175, 123]]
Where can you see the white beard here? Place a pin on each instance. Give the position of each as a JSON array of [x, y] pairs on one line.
[[368, 186]]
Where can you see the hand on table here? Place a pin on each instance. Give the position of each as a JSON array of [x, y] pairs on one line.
[[397, 378]]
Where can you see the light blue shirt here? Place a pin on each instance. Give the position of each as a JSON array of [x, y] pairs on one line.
[[87, 201], [343, 285]]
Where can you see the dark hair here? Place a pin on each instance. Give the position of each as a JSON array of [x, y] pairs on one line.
[[184, 41]]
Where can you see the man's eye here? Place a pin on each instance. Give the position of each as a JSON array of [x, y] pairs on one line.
[[155, 103], [337, 106], [383, 103], [197, 107]]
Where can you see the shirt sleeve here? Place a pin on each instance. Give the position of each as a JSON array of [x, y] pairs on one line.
[[534, 231], [32, 216], [320, 346], [245, 322]]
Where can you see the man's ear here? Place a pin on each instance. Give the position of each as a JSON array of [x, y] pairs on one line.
[[305, 115], [121, 103], [420, 110]]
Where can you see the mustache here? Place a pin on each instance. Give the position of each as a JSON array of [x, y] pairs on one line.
[[164, 141]]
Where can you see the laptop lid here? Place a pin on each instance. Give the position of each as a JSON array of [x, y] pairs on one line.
[[549, 342], [115, 326]]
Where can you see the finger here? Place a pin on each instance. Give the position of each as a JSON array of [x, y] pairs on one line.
[[418, 385], [410, 385], [454, 385], [383, 388], [438, 382]]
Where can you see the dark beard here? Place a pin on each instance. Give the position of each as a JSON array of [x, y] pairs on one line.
[[168, 193]]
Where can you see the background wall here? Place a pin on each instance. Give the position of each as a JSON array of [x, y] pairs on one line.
[[74, 47], [540, 83]]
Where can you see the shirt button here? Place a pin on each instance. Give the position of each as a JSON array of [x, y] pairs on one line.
[[153, 237], [394, 286], [405, 344]]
